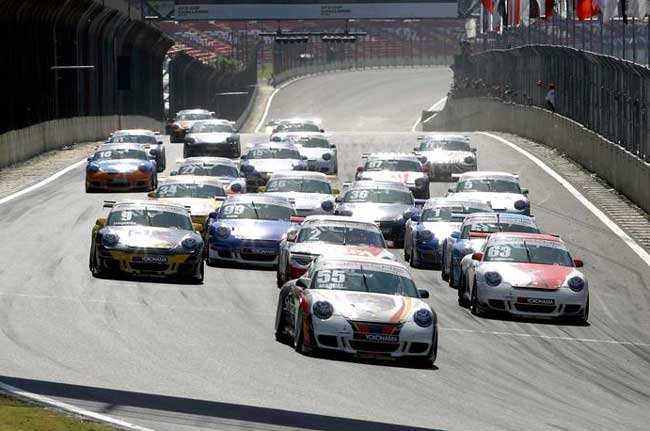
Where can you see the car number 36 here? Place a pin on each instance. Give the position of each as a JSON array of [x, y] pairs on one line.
[[331, 276]]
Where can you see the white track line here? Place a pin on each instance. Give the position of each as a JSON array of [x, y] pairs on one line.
[[268, 102], [548, 337], [433, 107], [19, 393], [42, 183], [636, 248]]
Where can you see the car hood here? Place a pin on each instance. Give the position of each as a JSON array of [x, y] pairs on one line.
[[335, 250], [532, 275], [304, 201], [443, 156], [273, 165], [210, 138], [270, 230], [399, 177], [119, 166], [376, 212], [498, 201], [442, 229], [197, 206], [149, 237], [369, 307]]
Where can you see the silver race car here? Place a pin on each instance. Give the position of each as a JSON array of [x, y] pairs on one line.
[[359, 306], [524, 274], [321, 154], [150, 140], [310, 192], [499, 189], [225, 170], [264, 159], [398, 167], [216, 138], [446, 154]]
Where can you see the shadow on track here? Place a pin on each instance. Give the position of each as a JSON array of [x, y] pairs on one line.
[[241, 414]]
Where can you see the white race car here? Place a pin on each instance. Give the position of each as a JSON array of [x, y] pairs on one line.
[[446, 154], [498, 189], [396, 167], [310, 192]]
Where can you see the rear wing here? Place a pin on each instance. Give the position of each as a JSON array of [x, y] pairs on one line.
[[365, 155], [109, 204]]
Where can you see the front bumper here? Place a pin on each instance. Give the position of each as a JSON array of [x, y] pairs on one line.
[[150, 263], [532, 302], [224, 149], [249, 252], [120, 182]]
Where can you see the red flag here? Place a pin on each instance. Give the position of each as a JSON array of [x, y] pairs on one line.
[[548, 12], [586, 9], [488, 5]]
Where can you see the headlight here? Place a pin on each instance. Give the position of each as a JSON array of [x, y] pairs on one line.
[[576, 284], [189, 243], [144, 167], [323, 310], [421, 183], [223, 232], [521, 205], [110, 240], [493, 278], [235, 187], [426, 235], [423, 317], [92, 168], [469, 160], [327, 156]]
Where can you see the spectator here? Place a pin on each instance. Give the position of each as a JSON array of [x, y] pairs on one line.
[[550, 98]]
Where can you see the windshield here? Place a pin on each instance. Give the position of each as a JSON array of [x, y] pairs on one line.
[[314, 143], [208, 170], [529, 251], [341, 235], [450, 214], [383, 196], [274, 153], [190, 190], [393, 165], [120, 154], [445, 145], [299, 185], [488, 185], [150, 217], [255, 210], [298, 127], [364, 280], [211, 128], [193, 117], [136, 139], [491, 227]]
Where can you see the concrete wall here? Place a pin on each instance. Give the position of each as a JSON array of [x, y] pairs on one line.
[[624, 171], [20, 145]]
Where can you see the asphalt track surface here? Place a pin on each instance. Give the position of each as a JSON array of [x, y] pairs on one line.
[[186, 357]]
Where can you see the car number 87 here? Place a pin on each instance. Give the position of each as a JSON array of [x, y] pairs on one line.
[[331, 276]]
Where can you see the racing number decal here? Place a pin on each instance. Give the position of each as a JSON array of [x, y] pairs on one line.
[[374, 164], [467, 185], [234, 209], [500, 251], [126, 215], [105, 154], [358, 194], [331, 276]]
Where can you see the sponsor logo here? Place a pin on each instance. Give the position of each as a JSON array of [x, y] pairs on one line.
[[150, 259], [536, 301], [381, 338], [260, 251]]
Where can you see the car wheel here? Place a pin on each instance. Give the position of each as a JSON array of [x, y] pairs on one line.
[[281, 331], [211, 262], [583, 319], [278, 279], [406, 255], [451, 274], [474, 307], [462, 290], [94, 268], [413, 263], [443, 273], [198, 278]]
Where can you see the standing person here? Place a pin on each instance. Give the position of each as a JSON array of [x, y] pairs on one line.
[[550, 98]]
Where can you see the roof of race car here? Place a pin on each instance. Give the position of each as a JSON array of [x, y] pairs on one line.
[[494, 216], [393, 156], [450, 201], [214, 121], [526, 235], [311, 175], [488, 175], [445, 137], [259, 198], [134, 132], [207, 161], [338, 220], [120, 146], [193, 111], [192, 179], [281, 144], [372, 184], [296, 120], [136, 203], [371, 263]]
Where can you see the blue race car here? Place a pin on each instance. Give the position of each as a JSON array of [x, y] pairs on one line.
[[473, 233], [425, 232], [247, 229]]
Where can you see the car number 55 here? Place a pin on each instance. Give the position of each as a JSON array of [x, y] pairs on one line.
[[331, 276]]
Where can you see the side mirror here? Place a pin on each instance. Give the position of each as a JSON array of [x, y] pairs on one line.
[[235, 130], [159, 142], [524, 192], [101, 222], [154, 152], [455, 234], [338, 199], [173, 173], [151, 195], [303, 283], [322, 130], [578, 263], [407, 215], [243, 157], [292, 234], [261, 189], [416, 148], [415, 218], [344, 213], [335, 191], [247, 169], [197, 227], [213, 215], [304, 158], [451, 190], [478, 256], [473, 150], [89, 159], [332, 146], [424, 294]]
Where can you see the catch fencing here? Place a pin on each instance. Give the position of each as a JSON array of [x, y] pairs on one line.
[[75, 58], [607, 95]]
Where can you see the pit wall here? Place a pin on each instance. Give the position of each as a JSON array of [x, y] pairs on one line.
[[20, 145], [624, 171]]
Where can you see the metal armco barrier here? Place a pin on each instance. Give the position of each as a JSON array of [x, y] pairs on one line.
[[45, 42], [193, 84], [605, 94]]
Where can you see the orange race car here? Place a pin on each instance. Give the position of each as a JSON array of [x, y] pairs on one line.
[[123, 167]]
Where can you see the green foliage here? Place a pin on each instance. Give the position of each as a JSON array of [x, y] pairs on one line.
[[226, 64]]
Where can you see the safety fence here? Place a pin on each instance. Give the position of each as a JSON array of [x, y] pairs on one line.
[[72, 58], [194, 84], [605, 94]]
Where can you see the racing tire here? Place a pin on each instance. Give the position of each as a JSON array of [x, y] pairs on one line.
[[299, 339], [443, 274], [413, 263], [94, 269], [462, 301], [278, 279], [451, 276], [281, 335], [210, 262], [407, 258], [198, 278], [474, 306], [583, 319]]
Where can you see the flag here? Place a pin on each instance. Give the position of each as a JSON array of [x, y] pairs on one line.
[[637, 8], [586, 9], [548, 9], [488, 5], [608, 8]]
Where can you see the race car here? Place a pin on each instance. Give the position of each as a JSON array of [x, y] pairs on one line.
[[225, 170], [472, 234], [399, 167], [500, 189], [321, 154], [523, 274], [358, 306], [295, 125], [145, 238], [425, 232], [247, 229], [387, 204], [215, 138], [119, 168], [147, 138], [183, 120], [331, 236], [446, 154], [310, 192], [264, 159], [201, 195]]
